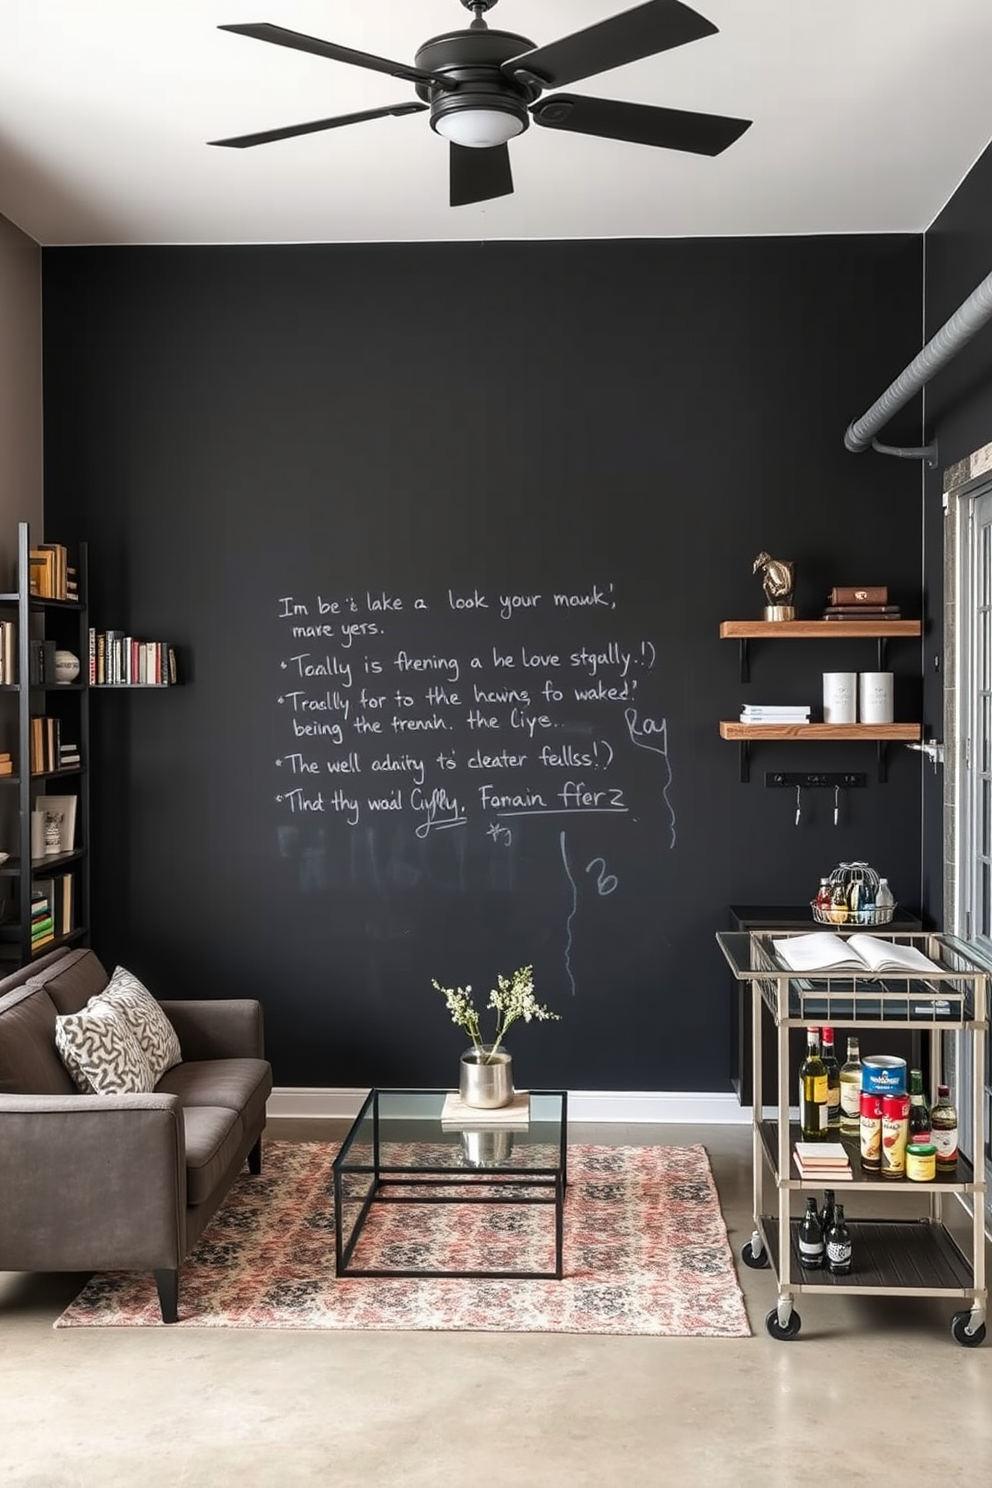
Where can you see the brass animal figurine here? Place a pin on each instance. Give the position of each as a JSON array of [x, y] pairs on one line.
[[779, 582]]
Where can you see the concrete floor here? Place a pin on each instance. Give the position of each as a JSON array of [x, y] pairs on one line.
[[872, 1389]]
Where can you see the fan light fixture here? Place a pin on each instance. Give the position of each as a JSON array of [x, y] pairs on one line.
[[480, 128], [484, 87]]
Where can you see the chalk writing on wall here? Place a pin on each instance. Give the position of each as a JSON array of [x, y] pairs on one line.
[[444, 710]]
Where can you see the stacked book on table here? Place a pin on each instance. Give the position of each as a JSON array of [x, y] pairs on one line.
[[457, 1116], [865, 602], [775, 713], [823, 1162]]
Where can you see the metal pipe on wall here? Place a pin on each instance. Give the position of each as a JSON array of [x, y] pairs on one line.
[[955, 333]]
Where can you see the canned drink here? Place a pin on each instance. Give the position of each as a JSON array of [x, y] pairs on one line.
[[895, 1135], [871, 1131], [883, 1074]]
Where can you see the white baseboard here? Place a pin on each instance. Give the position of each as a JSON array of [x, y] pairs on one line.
[[671, 1107]]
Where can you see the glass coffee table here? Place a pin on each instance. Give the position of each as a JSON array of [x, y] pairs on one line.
[[455, 1180]]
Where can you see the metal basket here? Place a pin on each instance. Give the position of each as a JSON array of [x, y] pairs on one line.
[[871, 915]]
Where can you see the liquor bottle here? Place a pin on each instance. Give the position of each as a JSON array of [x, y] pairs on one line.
[[850, 1089], [813, 1109], [838, 904], [944, 1130], [919, 1111], [833, 1079], [866, 906], [884, 902], [822, 900], [827, 1212], [811, 1247], [838, 1244]]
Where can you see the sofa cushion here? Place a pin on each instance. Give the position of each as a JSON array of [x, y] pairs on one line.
[[29, 1064], [213, 1136], [239, 1084], [72, 979], [156, 1036], [101, 1053]]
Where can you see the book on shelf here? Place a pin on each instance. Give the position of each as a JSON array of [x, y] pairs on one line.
[[862, 612], [8, 653], [822, 1154], [858, 594], [823, 1176], [775, 713], [864, 954], [58, 892], [48, 571]]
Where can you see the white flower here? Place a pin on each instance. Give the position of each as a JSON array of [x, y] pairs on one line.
[[511, 999]]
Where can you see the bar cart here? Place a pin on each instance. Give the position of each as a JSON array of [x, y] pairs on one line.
[[919, 1256]]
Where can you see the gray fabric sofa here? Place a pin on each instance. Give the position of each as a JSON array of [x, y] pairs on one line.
[[121, 1182]]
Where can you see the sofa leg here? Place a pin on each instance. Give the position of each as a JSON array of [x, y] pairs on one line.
[[255, 1158], [168, 1295]]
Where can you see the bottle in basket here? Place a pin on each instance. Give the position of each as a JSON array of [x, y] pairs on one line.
[[884, 902], [821, 903]]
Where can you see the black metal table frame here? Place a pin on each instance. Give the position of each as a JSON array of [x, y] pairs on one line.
[[381, 1191]]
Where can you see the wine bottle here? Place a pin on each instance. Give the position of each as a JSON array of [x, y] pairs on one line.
[[827, 1212], [813, 1109], [944, 1130], [850, 1089], [833, 1078], [838, 1244], [811, 1247], [884, 902], [838, 904], [919, 1110]]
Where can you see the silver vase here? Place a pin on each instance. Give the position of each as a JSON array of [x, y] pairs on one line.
[[486, 1078]]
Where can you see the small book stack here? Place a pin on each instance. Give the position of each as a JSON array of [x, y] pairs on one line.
[[69, 758], [42, 924], [860, 602], [457, 1116], [775, 713], [6, 764], [823, 1162]]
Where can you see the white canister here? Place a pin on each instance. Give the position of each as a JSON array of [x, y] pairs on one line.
[[37, 834], [840, 697], [875, 695]]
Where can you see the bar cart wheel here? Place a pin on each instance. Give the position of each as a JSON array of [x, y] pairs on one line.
[[754, 1256], [960, 1334], [783, 1330]]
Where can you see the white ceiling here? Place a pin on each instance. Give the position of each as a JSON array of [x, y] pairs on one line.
[[867, 115]]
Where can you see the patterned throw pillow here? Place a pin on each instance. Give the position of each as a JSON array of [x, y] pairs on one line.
[[136, 1006], [101, 1053]]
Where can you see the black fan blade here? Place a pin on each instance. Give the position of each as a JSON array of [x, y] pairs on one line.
[[648, 29], [265, 136], [479, 175], [279, 36], [640, 123]]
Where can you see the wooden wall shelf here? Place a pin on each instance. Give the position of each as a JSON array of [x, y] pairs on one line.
[[816, 630], [908, 732]]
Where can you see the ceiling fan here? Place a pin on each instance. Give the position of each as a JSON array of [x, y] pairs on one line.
[[483, 87]]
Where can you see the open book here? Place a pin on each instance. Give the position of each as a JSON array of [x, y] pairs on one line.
[[866, 955]]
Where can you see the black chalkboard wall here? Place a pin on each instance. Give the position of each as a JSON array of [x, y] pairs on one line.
[[444, 534]]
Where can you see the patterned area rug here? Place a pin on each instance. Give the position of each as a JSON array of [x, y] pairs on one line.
[[646, 1251]]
